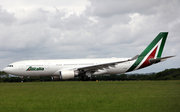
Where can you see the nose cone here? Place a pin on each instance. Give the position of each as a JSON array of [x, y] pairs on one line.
[[6, 70]]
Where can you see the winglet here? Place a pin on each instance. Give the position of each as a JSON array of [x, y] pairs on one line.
[[133, 58]]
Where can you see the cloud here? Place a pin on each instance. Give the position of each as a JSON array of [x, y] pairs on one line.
[[6, 18], [119, 7], [87, 29]]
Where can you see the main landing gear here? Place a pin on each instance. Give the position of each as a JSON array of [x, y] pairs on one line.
[[22, 79]]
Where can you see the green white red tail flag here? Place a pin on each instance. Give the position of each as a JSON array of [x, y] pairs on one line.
[[153, 51]]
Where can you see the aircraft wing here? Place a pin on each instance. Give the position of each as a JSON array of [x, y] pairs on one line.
[[104, 65]]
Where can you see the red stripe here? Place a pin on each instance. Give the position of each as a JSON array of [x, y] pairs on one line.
[[152, 55]]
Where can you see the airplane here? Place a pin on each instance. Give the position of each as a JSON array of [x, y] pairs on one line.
[[62, 69]]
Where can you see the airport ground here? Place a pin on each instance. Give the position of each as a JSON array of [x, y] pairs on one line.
[[89, 96]]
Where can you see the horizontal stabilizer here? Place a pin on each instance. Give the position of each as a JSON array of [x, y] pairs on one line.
[[159, 59]]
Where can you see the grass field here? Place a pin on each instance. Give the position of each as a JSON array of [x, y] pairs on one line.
[[118, 96]]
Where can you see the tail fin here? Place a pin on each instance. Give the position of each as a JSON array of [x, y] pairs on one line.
[[153, 51], [155, 48]]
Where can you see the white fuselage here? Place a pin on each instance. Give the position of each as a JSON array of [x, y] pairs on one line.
[[52, 67], [70, 68]]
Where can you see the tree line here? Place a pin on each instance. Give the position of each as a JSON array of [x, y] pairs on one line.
[[168, 74]]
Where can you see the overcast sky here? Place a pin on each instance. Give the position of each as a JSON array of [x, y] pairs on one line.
[[52, 29]]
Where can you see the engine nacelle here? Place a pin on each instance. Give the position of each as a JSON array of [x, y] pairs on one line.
[[55, 78], [67, 75]]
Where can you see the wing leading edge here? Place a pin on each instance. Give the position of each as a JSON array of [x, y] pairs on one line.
[[103, 65]]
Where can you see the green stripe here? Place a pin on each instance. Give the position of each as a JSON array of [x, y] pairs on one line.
[[162, 45], [149, 48]]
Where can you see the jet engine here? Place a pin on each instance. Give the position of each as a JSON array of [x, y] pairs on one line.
[[55, 78], [67, 74]]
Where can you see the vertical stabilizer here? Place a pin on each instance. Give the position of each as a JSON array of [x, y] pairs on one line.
[[153, 51]]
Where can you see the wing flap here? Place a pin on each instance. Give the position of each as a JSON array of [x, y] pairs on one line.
[[104, 65]]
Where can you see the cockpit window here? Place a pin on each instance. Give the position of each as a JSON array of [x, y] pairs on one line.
[[10, 66]]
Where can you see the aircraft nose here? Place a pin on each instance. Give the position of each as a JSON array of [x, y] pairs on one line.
[[6, 70]]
